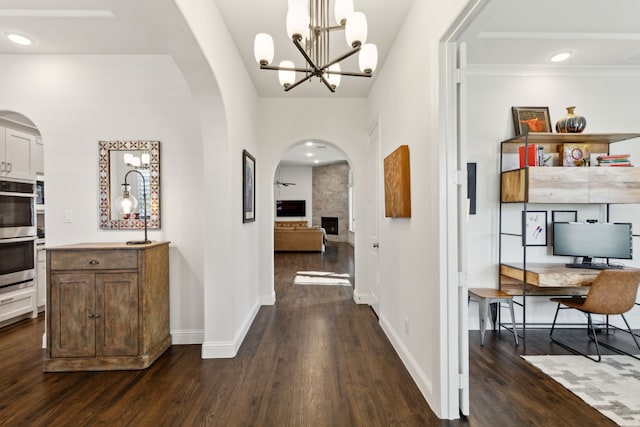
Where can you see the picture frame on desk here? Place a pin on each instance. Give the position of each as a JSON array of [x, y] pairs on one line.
[[531, 119], [564, 216], [534, 226]]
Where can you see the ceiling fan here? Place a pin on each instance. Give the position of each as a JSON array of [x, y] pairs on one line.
[[281, 183]]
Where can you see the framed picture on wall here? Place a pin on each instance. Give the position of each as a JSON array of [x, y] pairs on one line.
[[532, 119], [534, 226], [248, 187]]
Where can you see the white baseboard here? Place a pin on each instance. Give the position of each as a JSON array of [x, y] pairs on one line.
[[268, 299], [229, 349], [418, 375], [187, 336], [363, 298]]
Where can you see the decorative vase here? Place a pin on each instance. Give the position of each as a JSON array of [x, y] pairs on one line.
[[571, 123]]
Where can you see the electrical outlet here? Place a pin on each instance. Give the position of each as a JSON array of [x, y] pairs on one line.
[[68, 216], [406, 325]]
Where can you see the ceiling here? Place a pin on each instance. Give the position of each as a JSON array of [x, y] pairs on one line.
[[519, 32], [505, 32], [312, 153]]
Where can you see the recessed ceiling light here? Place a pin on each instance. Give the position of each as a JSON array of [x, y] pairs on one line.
[[309, 144], [561, 56], [309, 154], [316, 161], [19, 39]]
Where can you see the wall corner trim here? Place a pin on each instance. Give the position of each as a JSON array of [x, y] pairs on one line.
[[229, 349]]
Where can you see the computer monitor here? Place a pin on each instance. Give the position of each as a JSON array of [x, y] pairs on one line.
[[593, 240]]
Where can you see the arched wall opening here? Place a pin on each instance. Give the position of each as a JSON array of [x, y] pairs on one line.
[[318, 175], [341, 121]]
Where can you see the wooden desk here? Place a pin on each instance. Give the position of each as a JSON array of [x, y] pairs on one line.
[[546, 279]]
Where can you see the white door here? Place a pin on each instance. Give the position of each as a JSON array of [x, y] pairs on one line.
[[373, 208], [463, 218]]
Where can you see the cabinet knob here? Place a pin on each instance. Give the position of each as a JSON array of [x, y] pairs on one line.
[[94, 262], [94, 316]]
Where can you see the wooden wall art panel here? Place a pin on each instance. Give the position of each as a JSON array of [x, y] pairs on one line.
[[397, 184]]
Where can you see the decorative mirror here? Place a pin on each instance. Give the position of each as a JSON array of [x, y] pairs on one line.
[[116, 158]]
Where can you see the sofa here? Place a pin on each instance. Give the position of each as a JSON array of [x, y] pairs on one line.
[[297, 236]]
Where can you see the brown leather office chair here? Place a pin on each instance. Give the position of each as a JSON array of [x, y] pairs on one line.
[[612, 292]]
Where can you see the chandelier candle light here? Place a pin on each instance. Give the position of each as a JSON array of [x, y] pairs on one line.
[[309, 29]]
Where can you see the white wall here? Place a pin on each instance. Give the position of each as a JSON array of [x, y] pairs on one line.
[[232, 294], [77, 100], [412, 263], [607, 98], [302, 177]]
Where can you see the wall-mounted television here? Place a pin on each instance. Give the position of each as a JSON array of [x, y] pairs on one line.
[[291, 208], [593, 240]]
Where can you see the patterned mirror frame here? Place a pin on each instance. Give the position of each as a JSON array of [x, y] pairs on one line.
[[104, 151]]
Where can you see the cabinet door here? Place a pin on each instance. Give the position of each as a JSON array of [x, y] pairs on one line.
[[37, 156], [18, 154], [117, 303], [72, 312], [41, 278]]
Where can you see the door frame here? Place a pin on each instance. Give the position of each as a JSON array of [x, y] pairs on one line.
[[454, 214], [374, 209]]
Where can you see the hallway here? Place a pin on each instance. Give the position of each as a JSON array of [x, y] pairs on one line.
[[315, 358]]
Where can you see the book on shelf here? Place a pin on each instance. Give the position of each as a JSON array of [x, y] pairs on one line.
[[613, 156], [612, 165], [614, 160], [535, 155]]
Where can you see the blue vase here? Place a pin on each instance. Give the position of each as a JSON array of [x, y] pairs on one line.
[[571, 123]]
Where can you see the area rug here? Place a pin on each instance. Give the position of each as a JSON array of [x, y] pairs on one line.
[[611, 386], [321, 278]]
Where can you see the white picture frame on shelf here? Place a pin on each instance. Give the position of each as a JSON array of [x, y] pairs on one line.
[[534, 226]]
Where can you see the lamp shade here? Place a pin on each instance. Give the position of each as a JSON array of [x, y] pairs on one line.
[[341, 10], [368, 58], [334, 79], [297, 21], [356, 29], [286, 77], [263, 48], [126, 203], [298, 3]]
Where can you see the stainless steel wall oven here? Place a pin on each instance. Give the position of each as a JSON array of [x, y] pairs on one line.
[[17, 234]]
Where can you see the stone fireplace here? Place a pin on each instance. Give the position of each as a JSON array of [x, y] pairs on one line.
[[330, 224]]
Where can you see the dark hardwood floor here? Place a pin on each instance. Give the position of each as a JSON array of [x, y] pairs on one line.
[[314, 359]]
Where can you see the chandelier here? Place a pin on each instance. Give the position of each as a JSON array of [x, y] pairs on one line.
[[308, 27]]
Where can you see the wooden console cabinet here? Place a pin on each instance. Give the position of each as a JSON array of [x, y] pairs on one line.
[[107, 306]]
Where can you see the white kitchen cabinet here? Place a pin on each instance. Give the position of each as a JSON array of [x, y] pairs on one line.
[[37, 156], [41, 278], [15, 154], [17, 303]]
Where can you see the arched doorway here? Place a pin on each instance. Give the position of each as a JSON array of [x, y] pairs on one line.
[[313, 189]]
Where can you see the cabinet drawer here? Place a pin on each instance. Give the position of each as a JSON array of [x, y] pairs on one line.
[[94, 260], [17, 303], [614, 185]]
